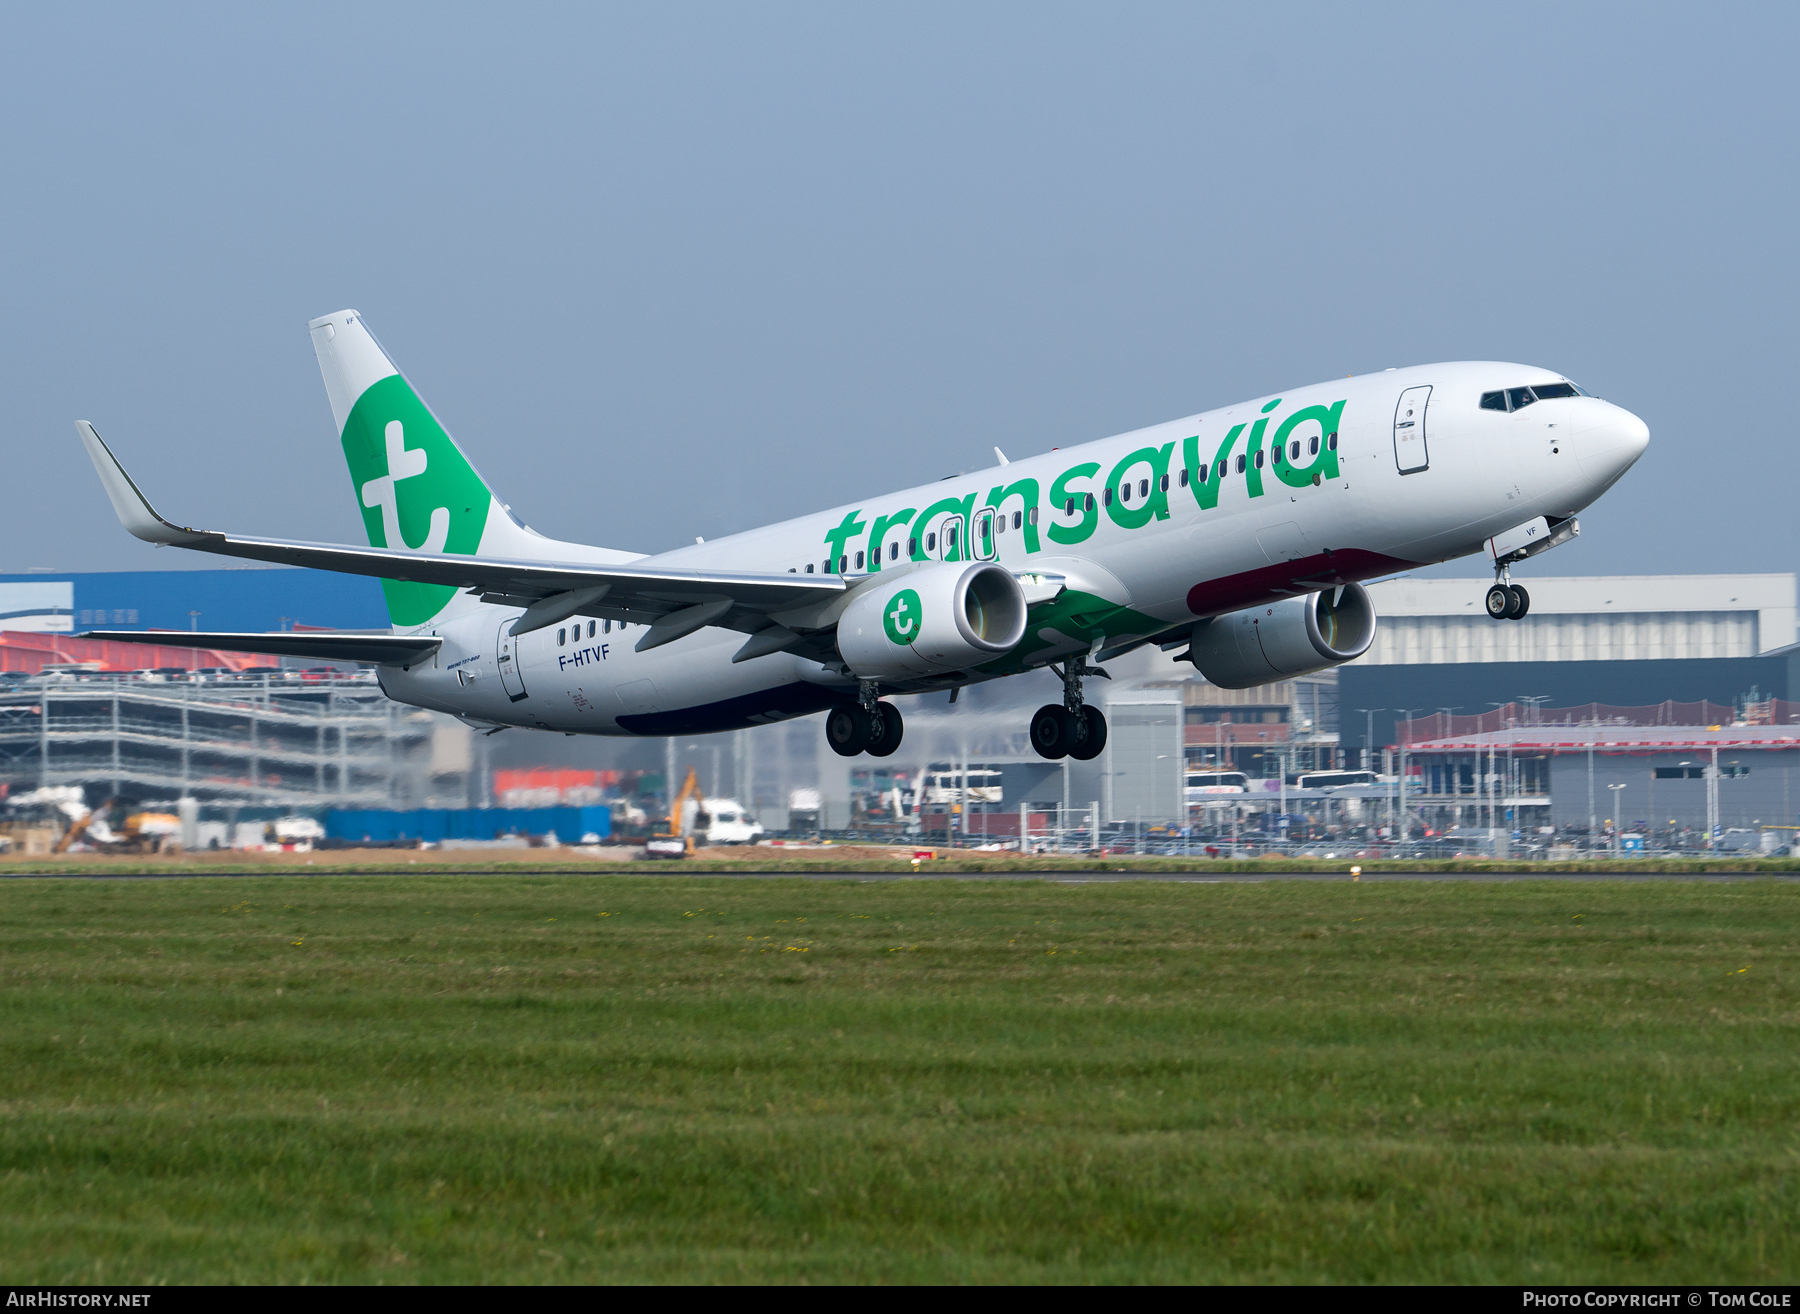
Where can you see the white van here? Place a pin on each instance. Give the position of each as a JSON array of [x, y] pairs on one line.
[[726, 821]]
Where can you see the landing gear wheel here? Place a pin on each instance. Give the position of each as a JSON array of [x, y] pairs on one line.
[[1094, 742], [1521, 602], [892, 727], [1052, 731], [847, 730], [1499, 602]]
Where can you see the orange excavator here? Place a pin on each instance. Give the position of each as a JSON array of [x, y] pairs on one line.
[[677, 841], [144, 832], [79, 828]]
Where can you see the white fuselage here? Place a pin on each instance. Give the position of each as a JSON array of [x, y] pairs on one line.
[[1203, 548]]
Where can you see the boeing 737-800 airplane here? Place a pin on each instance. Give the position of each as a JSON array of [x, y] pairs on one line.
[[1239, 536]]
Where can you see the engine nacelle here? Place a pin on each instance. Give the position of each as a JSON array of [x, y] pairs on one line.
[[1293, 637], [942, 617]]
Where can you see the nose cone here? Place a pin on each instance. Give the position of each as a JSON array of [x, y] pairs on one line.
[[1608, 440]]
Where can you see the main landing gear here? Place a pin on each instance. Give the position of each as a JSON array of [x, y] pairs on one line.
[[865, 726], [1071, 728], [1506, 600]]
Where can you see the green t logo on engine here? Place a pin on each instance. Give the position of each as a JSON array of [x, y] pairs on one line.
[[901, 617]]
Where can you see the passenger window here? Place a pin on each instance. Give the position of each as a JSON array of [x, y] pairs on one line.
[[931, 542], [1275, 453], [1033, 515], [1069, 508], [1165, 481], [1087, 503], [1294, 450], [843, 563], [791, 570], [1519, 398], [1017, 517], [1125, 492], [1107, 497], [1184, 476], [859, 560], [912, 547], [949, 537], [1493, 401], [591, 628], [1240, 463], [1143, 488], [1259, 460], [1312, 446], [1331, 443], [809, 568], [562, 636], [608, 624], [893, 551]]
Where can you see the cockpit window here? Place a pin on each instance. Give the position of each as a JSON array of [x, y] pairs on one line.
[[1517, 399]]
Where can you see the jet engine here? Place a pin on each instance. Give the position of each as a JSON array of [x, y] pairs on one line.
[[1293, 637], [941, 617]]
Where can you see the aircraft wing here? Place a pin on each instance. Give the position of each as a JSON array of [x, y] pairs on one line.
[[672, 603], [377, 649]]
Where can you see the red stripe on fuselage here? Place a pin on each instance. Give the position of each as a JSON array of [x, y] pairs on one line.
[[1267, 584]]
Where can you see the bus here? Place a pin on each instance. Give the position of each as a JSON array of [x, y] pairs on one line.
[[1333, 779], [1209, 786], [945, 785]]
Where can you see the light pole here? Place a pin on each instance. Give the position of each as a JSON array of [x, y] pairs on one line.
[[1369, 742], [1401, 805], [1504, 787], [1618, 800]]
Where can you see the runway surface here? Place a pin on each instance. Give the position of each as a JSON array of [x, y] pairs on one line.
[[1052, 877]]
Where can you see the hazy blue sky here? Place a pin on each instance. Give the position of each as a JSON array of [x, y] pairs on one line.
[[669, 271]]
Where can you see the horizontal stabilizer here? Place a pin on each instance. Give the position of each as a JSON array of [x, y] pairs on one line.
[[376, 649]]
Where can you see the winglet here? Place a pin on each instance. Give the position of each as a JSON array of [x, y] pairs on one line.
[[134, 509]]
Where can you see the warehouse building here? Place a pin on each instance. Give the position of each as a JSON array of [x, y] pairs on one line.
[[238, 598], [1619, 640]]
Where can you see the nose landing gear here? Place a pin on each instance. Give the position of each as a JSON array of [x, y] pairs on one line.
[[1506, 600], [1072, 728]]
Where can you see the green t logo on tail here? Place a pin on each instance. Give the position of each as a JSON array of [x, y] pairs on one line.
[[416, 490], [901, 619]]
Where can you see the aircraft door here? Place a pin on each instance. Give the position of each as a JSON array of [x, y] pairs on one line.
[[949, 535], [986, 549], [1410, 452], [512, 679]]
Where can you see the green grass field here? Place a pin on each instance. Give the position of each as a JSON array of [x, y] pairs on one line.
[[660, 1078]]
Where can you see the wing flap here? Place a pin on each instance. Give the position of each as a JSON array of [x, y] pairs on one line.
[[374, 649]]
